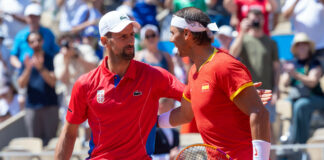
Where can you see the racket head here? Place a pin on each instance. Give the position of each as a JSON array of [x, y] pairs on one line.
[[202, 152]]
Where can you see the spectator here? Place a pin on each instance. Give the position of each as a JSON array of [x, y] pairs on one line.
[[21, 49], [127, 8], [9, 103], [307, 16], [302, 75], [68, 12], [37, 75], [5, 55], [13, 20], [259, 53], [179, 4], [90, 38], [239, 10], [151, 54], [145, 12], [72, 61], [218, 13], [87, 15], [225, 37]]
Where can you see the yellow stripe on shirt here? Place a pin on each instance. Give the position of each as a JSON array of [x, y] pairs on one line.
[[238, 91], [186, 98]]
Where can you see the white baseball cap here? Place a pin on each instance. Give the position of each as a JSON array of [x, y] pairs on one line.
[[33, 9], [115, 22], [226, 30]]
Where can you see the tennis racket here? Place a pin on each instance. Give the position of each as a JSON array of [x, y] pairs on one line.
[[202, 152]]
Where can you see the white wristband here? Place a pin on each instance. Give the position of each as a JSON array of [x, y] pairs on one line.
[[261, 150], [164, 120]]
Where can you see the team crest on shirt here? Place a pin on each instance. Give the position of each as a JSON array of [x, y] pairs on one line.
[[100, 96], [205, 87]]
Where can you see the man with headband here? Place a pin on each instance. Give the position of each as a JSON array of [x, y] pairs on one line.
[[220, 93], [119, 98]]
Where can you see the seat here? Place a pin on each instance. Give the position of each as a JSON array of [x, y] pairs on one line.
[[23, 148]]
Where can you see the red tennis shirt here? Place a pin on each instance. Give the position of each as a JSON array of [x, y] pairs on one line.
[[122, 114], [211, 91]]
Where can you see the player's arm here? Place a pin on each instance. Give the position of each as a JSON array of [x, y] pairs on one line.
[[176, 116], [250, 103], [64, 147]]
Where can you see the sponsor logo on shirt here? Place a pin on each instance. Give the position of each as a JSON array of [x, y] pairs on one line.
[[205, 87], [137, 93], [100, 96]]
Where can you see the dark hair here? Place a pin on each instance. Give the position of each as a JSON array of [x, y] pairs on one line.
[[34, 32], [256, 12], [191, 14]]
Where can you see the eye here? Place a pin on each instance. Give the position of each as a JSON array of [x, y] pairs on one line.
[[133, 34]]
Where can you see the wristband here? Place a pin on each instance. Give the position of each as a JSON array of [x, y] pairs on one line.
[[164, 120], [261, 150]]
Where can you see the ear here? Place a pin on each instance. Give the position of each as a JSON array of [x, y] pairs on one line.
[[104, 41], [187, 34]]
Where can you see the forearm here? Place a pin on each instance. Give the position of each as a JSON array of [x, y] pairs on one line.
[[236, 48], [15, 62], [19, 18], [287, 14], [24, 78], [179, 117], [260, 125], [273, 5], [48, 77], [176, 116], [230, 6], [309, 82], [65, 145]]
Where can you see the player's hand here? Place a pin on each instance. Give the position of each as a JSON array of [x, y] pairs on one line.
[[265, 94]]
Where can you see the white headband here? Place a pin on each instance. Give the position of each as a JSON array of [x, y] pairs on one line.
[[193, 26]]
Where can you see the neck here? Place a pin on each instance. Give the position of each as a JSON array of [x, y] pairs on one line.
[[256, 32], [204, 52], [38, 52], [153, 49], [34, 28], [117, 65]]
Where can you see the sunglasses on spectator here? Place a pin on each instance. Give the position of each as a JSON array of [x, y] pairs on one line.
[[150, 36]]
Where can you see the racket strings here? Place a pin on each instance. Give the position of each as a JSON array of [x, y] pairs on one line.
[[201, 152]]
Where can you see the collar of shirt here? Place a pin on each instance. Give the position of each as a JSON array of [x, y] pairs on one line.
[[130, 73]]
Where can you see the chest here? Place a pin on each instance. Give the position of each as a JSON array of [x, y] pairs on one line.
[[129, 97], [206, 96]]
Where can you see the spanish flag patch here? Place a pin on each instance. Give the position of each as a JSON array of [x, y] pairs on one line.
[[205, 87]]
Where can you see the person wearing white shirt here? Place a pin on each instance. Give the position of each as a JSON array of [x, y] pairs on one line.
[[307, 16]]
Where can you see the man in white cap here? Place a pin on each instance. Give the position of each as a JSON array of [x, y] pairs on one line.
[[21, 48], [228, 112], [119, 98]]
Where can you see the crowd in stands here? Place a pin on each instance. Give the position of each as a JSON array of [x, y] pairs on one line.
[[39, 63]]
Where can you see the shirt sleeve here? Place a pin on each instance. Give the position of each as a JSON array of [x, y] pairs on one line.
[[233, 78], [77, 111], [168, 85], [186, 93]]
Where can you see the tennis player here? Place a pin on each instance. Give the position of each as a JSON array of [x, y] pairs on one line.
[[119, 98], [220, 93]]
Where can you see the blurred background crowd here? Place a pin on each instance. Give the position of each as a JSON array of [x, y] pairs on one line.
[[46, 45]]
